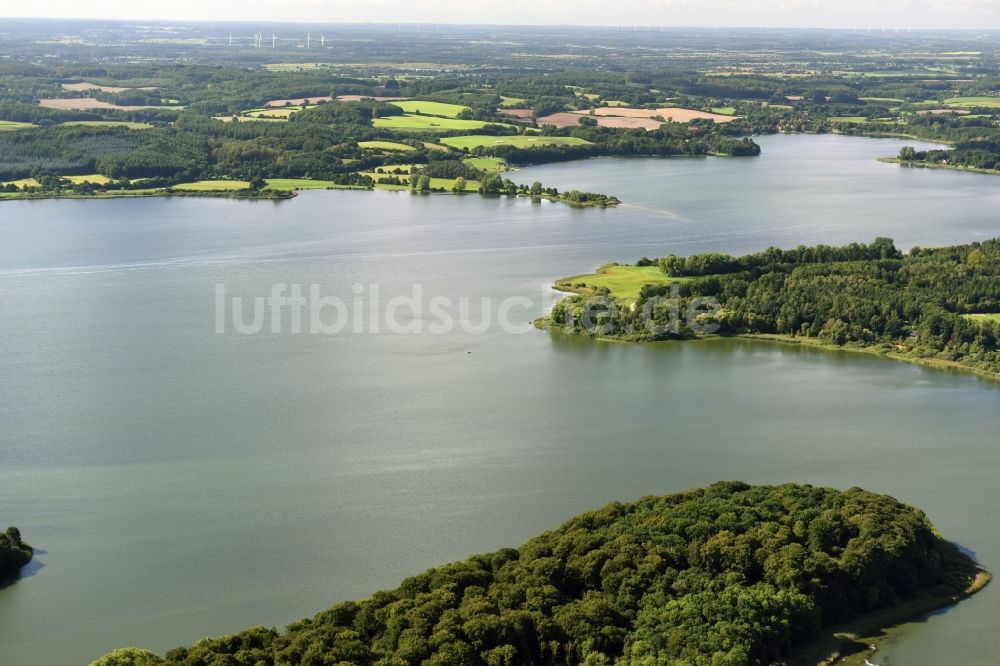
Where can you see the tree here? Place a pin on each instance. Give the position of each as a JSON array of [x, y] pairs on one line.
[[459, 185]]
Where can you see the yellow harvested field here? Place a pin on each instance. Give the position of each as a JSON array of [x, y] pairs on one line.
[[674, 113], [24, 182], [632, 118], [83, 86], [87, 104], [94, 178]]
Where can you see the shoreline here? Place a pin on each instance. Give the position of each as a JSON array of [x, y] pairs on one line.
[[929, 165], [544, 324], [852, 643]]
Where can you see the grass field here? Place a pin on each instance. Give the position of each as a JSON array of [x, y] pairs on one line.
[[107, 123], [385, 145], [625, 282], [298, 184], [10, 125], [276, 112], [436, 146], [473, 140], [213, 186], [993, 102], [724, 110], [848, 119], [436, 183], [894, 100], [984, 317], [95, 178], [414, 123], [426, 108], [487, 164], [509, 102]]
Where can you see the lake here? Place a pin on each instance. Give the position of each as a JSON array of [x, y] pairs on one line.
[[182, 482]]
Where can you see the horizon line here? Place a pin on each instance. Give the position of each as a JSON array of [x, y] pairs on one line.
[[633, 27]]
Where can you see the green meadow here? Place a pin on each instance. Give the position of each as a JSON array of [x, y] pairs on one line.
[[848, 119], [984, 317], [511, 102], [475, 140], [298, 184], [9, 125], [992, 102], [418, 123], [487, 164], [436, 183], [623, 281], [724, 110], [426, 108], [385, 145]]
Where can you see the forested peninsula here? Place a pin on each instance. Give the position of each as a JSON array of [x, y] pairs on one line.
[[14, 553], [937, 306], [730, 574]]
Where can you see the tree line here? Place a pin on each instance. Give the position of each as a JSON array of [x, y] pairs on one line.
[[917, 304]]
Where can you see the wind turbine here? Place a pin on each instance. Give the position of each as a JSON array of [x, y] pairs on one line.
[[274, 39], [308, 40], [322, 39]]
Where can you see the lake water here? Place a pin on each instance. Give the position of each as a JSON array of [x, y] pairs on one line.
[[182, 482]]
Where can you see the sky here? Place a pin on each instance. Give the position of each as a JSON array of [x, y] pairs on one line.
[[915, 14]]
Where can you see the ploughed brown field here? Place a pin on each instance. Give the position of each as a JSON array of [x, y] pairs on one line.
[[515, 113], [86, 103], [298, 101], [87, 85], [358, 98], [632, 118]]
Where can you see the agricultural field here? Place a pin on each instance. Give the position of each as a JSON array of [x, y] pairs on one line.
[[474, 140], [93, 178], [624, 281], [10, 125], [106, 123], [487, 164], [413, 123], [90, 104], [984, 317], [279, 112], [724, 110], [436, 183], [302, 184], [425, 108], [213, 186], [23, 182], [301, 101], [385, 145], [509, 102], [991, 102], [848, 119]]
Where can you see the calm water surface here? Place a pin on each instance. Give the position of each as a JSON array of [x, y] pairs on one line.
[[182, 483]]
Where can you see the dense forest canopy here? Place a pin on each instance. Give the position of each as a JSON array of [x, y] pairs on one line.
[[728, 575], [924, 303], [14, 553]]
